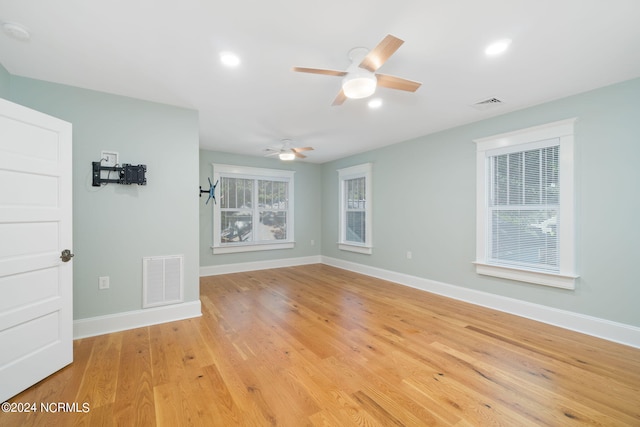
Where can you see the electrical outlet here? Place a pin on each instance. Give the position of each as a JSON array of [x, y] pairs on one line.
[[109, 158], [313, 242], [409, 255], [103, 282]]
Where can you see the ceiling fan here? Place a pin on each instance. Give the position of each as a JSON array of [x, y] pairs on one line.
[[360, 79], [285, 151]]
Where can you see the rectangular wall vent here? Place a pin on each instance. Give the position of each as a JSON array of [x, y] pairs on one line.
[[162, 280]]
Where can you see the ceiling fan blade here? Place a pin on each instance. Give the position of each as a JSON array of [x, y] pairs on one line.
[[340, 98], [393, 82], [381, 53], [301, 149], [298, 155], [320, 71]]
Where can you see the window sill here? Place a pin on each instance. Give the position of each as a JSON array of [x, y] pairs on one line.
[[230, 249], [537, 277], [367, 250]]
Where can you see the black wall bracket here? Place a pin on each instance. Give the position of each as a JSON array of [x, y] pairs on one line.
[[125, 174], [211, 191]]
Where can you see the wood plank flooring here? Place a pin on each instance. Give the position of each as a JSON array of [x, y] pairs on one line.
[[319, 346]]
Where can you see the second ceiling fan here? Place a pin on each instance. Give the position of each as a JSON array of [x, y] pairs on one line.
[[286, 152], [360, 79]]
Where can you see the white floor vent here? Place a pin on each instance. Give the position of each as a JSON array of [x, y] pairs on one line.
[[162, 280]]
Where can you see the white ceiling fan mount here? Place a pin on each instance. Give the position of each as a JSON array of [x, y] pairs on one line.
[[357, 54], [359, 82], [360, 79], [286, 152]]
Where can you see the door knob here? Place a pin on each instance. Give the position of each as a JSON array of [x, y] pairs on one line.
[[66, 255]]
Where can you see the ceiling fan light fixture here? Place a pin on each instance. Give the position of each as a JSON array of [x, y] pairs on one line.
[[359, 85], [287, 155]]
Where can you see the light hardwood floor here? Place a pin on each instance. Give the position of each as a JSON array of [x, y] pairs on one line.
[[315, 345]]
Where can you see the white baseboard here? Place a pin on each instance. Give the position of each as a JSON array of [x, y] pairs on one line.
[[99, 325], [594, 326], [214, 270]]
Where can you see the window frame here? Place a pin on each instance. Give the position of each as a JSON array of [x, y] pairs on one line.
[[254, 174], [344, 175], [519, 141]]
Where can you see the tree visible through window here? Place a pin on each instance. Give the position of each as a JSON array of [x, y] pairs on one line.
[[356, 201], [273, 202], [355, 208], [236, 209], [255, 209]]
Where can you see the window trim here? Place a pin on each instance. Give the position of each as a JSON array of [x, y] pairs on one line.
[[522, 140], [359, 171], [253, 173]]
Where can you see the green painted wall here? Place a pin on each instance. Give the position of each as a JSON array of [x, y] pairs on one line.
[[116, 225], [424, 199], [5, 79], [307, 210]]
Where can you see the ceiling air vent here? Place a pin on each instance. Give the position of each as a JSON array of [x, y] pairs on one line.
[[487, 103]]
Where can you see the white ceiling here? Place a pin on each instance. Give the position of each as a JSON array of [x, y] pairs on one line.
[[167, 51]]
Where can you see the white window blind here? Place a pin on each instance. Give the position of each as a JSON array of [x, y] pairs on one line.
[[523, 208], [355, 226], [355, 194], [525, 205]]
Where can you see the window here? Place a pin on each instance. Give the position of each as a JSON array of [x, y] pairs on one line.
[[355, 209], [254, 210], [525, 205]]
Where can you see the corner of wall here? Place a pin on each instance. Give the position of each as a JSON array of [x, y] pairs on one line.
[[5, 83]]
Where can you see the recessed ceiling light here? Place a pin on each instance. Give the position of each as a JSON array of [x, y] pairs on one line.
[[375, 103], [230, 59], [496, 48], [16, 31]]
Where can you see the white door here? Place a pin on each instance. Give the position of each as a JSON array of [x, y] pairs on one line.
[[36, 326]]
